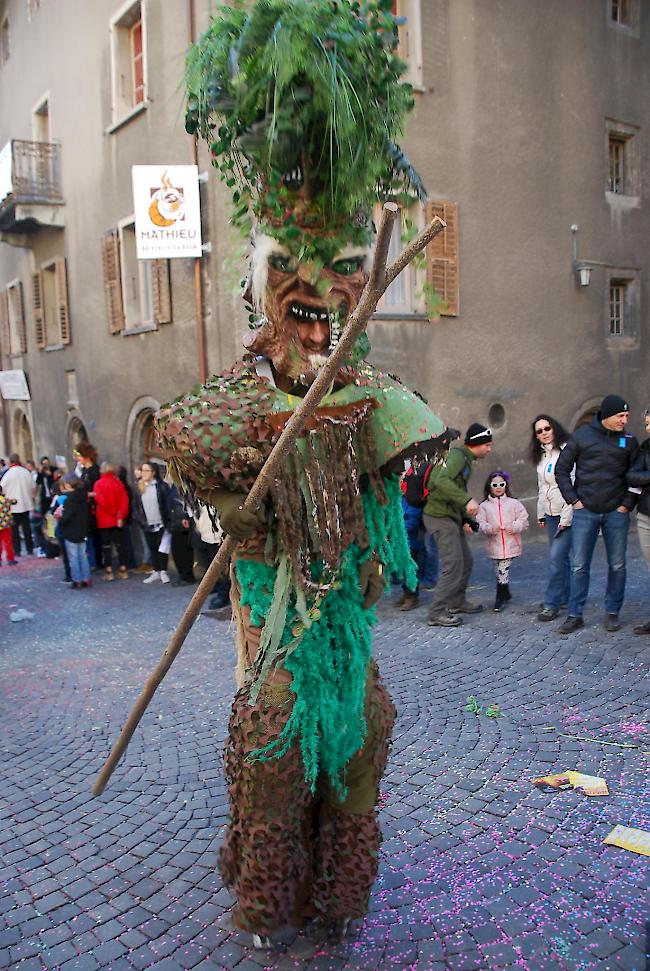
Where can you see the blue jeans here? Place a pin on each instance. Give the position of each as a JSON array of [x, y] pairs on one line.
[[559, 564], [79, 565], [585, 529], [422, 545]]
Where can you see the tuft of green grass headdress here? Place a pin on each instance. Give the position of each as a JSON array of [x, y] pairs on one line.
[[302, 105]]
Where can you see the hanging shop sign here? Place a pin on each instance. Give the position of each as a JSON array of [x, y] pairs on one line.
[[13, 386], [167, 211]]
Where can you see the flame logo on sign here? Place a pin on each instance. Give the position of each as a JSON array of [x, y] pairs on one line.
[[167, 203]]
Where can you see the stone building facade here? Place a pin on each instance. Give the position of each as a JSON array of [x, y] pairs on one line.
[[531, 134]]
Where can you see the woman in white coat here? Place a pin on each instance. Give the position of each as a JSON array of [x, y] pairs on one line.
[[553, 513]]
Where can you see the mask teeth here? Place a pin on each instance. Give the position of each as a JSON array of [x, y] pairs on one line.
[[335, 329]]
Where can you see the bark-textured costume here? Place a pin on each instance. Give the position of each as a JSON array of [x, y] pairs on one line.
[[311, 721]]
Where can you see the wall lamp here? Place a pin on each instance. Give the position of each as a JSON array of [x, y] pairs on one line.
[[582, 268]]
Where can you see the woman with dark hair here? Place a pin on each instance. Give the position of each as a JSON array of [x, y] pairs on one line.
[[151, 509], [88, 471], [639, 478], [548, 438]]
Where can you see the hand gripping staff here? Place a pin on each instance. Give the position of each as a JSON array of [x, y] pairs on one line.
[[381, 277]]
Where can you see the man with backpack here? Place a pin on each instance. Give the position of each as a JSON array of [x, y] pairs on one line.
[[447, 516]]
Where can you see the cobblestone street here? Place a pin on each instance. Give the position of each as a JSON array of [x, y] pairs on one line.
[[479, 869]]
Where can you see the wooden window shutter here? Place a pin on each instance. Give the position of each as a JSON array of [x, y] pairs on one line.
[[21, 325], [161, 291], [38, 309], [62, 306], [5, 333], [113, 281], [442, 257]]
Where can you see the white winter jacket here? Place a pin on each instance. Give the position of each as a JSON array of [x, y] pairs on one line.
[[550, 501], [18, 484], [502, 519]]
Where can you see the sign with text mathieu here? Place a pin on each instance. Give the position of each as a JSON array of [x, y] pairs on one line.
[[167, 211]]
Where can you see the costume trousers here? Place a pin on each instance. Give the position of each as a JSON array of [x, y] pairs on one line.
[[6, 543], [559, 564], [584, 534], [290, 854], [113, 536], [502, 569], [643, 528], [21, 523], [456, 558]]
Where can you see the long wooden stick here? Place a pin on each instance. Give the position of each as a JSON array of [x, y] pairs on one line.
[[380, 277]]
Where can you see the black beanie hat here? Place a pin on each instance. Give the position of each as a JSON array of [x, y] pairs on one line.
[[477, 434], [613, 404]]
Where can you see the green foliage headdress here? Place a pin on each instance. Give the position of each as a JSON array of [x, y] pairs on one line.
[[301, 104]]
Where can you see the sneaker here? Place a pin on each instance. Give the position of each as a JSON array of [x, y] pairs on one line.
[[612, 622], [571, 624], [410, 602], [153, 576], [444, 619], [86, 583], [643, 628], [164, 577], [466, 608], [548, 613], [41, 554]]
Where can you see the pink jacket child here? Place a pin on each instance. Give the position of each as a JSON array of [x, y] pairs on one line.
[[501, 518]]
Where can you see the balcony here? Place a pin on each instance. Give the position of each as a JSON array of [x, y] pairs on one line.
[[30, 189]]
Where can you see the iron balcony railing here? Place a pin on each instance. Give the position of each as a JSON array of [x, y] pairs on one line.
[[31, 172]]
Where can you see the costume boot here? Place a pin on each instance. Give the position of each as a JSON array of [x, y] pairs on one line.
[[501, 599]]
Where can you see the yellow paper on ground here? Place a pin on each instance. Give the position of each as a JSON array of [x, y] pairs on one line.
[[636, 840], [591, 785]]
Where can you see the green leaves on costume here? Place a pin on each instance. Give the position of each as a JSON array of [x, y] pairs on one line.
[[302, 105]]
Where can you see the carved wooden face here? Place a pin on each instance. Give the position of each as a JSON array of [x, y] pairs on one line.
[[305, 306]]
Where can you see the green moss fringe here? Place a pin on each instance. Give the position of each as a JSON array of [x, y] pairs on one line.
[[330, 660]]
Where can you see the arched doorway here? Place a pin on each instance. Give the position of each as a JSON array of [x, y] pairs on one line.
[[141, 442], [76, 433], [22, 436], [586, 414]]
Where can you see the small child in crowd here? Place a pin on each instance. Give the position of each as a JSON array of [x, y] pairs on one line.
[[502, 518], [6, 521], [74, 525]]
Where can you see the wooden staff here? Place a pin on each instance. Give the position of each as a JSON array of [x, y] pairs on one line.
[[380, 278]]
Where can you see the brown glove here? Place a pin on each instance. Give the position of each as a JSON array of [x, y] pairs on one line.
[[371, 582], [236, 521]]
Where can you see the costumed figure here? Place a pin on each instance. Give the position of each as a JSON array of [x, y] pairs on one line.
[[300, 102]]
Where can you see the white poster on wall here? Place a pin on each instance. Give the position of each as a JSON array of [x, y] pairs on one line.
[[13, 386], [167, 211]]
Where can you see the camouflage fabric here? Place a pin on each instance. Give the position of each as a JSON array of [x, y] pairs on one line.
[[219, 435], [289, 855]]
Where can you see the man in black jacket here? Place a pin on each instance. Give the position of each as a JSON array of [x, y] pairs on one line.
[[601, 454]]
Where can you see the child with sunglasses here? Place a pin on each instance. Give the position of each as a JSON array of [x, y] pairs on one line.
[[503, 519]]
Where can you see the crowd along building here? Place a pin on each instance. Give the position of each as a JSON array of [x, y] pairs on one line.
[[530, 132]]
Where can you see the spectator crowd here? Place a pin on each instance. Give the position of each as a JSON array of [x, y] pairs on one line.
[[99, 520]]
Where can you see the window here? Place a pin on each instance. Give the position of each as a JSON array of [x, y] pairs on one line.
[[442, 259], [128, 61], [50, 309], [617, 290], [71, 384], [624, 15], [5, 41], [622, 312], [17, 329], [622, 162], [32, 7], [137, 292], [410, 39], [5, 333], [406, 295]]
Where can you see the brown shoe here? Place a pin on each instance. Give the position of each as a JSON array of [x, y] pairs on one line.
[[108, 574], [124, 573], [466, 608], [144, 568], [444, 619], [410, 602]]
